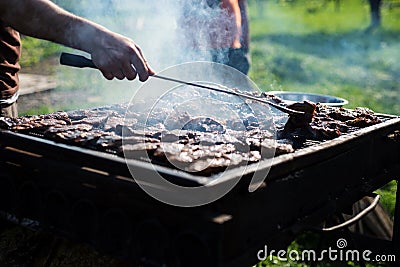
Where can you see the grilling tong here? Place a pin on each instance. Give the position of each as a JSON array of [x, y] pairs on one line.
[[78, 61]]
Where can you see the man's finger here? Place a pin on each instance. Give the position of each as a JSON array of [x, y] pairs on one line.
[[150, 71], [119, 75], [138, 62], [107, 75], [129, 72]]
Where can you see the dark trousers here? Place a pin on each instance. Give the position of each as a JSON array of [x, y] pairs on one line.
[[237, 58]]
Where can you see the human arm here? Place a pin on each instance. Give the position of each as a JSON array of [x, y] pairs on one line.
[[112, 53], [233, 9]]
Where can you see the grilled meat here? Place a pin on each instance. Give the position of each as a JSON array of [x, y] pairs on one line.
[[202, 145], [300, 121], [324, 122]]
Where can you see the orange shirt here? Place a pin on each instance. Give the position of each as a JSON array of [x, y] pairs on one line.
[[10, 52]]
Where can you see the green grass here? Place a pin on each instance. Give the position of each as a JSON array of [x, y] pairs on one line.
[[35, 51], [328, 52]]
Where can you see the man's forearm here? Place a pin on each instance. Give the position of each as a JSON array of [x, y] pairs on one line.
[[45, 20], [232, 6], [113, 54]]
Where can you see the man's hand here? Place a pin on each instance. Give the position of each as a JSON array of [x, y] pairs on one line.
[[120, 57]]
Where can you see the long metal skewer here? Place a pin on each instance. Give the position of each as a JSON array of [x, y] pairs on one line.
[[83, 62], [277, 106]]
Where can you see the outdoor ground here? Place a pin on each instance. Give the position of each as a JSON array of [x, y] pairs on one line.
[[295, 46]]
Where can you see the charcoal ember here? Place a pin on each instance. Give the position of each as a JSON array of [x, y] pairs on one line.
[[204, 125]]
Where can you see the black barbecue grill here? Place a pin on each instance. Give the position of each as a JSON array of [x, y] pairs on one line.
[[91, 195]]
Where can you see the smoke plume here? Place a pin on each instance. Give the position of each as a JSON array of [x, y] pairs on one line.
[[169, 32]]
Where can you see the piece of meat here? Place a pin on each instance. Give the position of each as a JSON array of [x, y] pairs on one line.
[[364, 121], [300, 121], [271, 148]]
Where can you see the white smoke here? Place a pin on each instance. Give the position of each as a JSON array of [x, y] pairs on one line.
[[169, 32]]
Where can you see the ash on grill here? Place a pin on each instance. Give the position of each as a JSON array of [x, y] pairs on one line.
[[204, 146]]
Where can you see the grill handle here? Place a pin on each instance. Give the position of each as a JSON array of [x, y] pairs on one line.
[[301, 227], [354, 219], [77, 61]]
